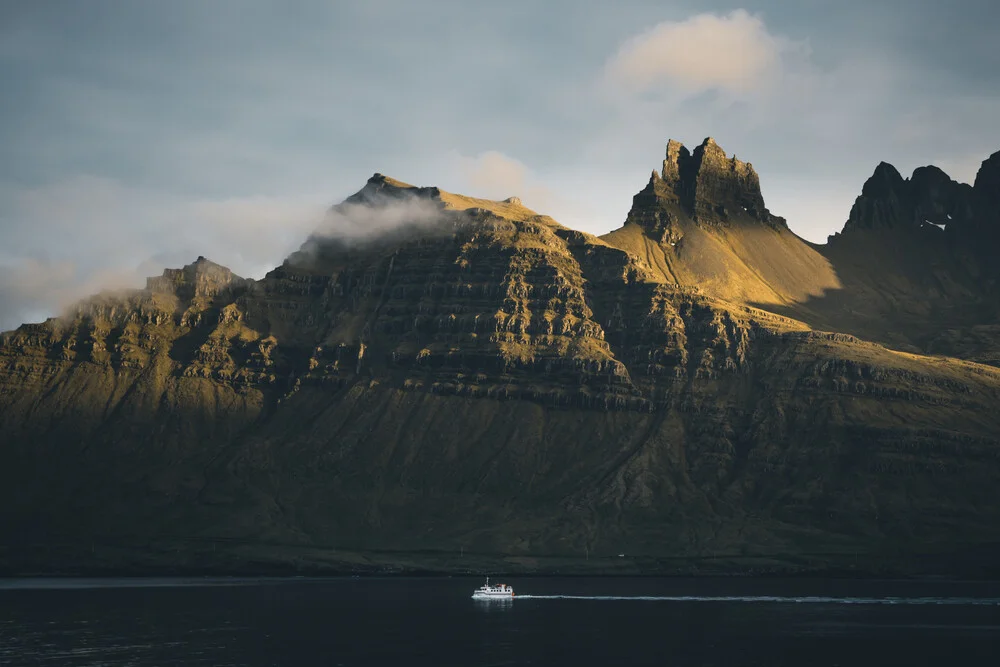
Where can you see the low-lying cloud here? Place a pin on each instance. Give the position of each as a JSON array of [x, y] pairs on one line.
[[32, 289], [90, 235], [359, 221], [377, 216], [84, 235]]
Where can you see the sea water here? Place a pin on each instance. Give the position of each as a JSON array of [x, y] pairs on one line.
[[550, 621]]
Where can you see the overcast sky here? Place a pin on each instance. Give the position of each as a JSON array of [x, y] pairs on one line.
[[138, 135]]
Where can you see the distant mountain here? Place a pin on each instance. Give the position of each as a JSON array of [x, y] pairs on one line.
[[442, 382], [918, 262]]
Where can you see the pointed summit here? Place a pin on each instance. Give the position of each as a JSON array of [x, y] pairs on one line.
[[884, 202], [724, 187], [676, 155], [202, 277], [705, 185], [987, 185], [381, 189], [929, 199], [886, 180]]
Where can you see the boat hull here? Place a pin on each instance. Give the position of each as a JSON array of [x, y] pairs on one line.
[[492, 596]]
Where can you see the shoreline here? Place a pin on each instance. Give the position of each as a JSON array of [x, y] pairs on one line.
[[985, 572], [152, 557]]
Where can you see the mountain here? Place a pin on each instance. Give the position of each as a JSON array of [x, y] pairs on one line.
[[441, 382], [918, 265], [701, 223], [913, 268]]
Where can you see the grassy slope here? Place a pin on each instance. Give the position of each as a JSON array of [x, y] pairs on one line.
[[899, 290], [746, 264]]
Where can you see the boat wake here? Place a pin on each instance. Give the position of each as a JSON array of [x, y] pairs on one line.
[[774, 599]]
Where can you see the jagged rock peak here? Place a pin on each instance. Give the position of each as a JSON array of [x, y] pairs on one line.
[[381, 188], [929, 200], [201, 277], [717, 187], [721, 180], [706, 185], [886, 180], [987, 184], [676, 154]]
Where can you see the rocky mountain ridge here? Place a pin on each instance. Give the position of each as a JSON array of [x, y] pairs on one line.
[[434, 374], [705, 186], [929, 199]]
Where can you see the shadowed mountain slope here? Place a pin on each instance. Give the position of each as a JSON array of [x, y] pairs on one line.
[[913, 268], [432, 374]]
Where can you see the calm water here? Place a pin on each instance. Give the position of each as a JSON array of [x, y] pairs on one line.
[[675, 622]]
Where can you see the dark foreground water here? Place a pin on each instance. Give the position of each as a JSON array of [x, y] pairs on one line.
[[390, 621]]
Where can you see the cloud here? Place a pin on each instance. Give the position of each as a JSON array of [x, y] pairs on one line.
[[33, 289], [734, 53], [353, 221], [493, 175], [375, 216], [77, 237], [208, 147], [818, 119]]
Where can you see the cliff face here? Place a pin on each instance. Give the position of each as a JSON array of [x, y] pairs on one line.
[[929, 202], [987, 184], [712, 187], [928, 199], [706, 187], [917, 255], [436, 373], [913, 268]]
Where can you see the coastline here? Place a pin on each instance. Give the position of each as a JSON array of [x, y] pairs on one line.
[[976, 563]]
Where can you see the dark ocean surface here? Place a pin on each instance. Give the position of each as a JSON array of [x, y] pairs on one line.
[[551, 621]]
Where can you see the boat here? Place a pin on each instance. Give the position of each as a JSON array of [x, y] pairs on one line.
[[494, 592]]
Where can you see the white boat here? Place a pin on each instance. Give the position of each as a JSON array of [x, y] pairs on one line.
[[494, 592]]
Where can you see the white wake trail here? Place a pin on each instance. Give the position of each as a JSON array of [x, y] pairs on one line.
[[773, 599]]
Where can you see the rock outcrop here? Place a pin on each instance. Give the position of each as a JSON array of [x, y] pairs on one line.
[[915, 260], [929, 200], [987, 185], [706, 185], [987, 201]]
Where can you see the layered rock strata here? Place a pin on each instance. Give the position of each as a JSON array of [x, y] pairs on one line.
[[473, 375]]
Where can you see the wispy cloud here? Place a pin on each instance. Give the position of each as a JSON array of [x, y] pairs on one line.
[[494, 175], [361, 221], [79, 236], [379, 216], [33, 289]]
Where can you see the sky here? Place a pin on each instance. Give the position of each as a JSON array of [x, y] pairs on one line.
[[139, 135]]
